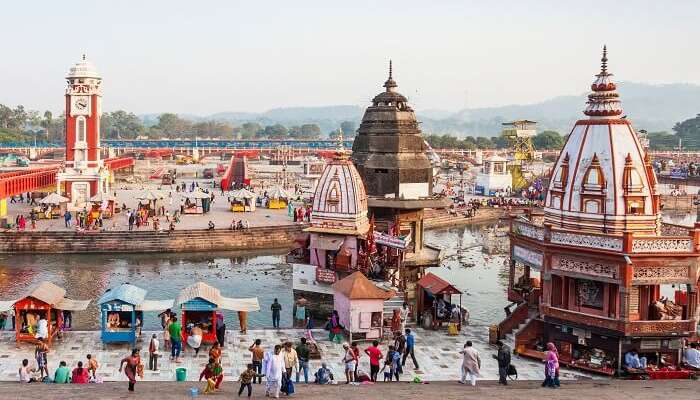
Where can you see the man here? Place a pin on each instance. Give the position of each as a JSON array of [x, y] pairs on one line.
[[400, 344], [470, 364], [324, 376], [274, 366], [303, 354], [153, 353], [291, 359], [375, 355], [175, 330], [634, 363], [503, 358], [692, 357], [276, 308], [410, 349], [404, 316], [66, 218], [257, 359], [62, 374]]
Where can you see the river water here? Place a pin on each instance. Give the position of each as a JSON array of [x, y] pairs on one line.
[[473, 268]]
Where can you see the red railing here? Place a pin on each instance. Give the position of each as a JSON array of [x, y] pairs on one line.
[[14, 183], [118, 163]]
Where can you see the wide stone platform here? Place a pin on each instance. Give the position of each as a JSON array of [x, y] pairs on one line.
[[438, 355]]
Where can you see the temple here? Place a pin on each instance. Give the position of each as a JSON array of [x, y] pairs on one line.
[[391, 157], [599, 274]]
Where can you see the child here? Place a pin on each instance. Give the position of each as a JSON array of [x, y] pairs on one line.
[[92, 366], [246, 379], [26, 373]]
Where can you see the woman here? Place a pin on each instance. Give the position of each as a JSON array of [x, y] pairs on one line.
[[215, 352], [335, 328], [80, 375], [396, 321], [551, 367], [132, 365]]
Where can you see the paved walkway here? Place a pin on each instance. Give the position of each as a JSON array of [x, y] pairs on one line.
[[521, 390], [438, 355]]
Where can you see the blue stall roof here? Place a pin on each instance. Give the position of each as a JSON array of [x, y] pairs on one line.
[[127, 293]]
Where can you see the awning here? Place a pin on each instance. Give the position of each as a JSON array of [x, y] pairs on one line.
[[155, 305], [328, 242], [437, 285], [249, 304], [72, 305]]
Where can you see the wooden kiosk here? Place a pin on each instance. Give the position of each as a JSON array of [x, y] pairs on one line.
[[434, 302], [200, 304], [122, 311], [46, 300]]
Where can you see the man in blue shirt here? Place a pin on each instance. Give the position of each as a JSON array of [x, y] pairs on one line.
[[410, 346], [634, 362]]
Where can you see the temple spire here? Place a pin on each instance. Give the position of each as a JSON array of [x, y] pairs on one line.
[[390, 84], [604, 61]]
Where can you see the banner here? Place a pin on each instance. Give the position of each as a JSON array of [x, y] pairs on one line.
[[395, 242]]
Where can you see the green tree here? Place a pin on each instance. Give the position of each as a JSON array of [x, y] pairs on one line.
[[548, 140], [250, 130], [349, 128], [310, 131], [483, 142], [689, 132], [662, 140], [121, 124], [276, 131], [172, 126], [46, 123]]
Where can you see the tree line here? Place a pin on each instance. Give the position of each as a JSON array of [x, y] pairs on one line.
[[19, 125]]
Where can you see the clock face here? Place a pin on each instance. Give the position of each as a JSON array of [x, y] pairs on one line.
[[80, 105]]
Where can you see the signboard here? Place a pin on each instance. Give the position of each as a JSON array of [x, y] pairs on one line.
[[395, 242], [679, 174], [325, 275], [478, 189]]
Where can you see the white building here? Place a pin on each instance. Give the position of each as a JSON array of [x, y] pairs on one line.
[[494, 177]]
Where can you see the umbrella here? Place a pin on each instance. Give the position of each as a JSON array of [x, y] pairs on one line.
[[278, 193], [101, 197], [54, 198], [242, 194], [197, 194], [149, 195]]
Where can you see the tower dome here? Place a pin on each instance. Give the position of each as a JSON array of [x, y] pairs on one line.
[[83, 69], [340, 201], [602, 180]]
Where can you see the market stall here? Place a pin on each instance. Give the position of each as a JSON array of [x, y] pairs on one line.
[[200, 304], [242, 200], [122, 311], [149, 202], [196, 202], [360, 306], [277, 197], [52, 206], [434, 302], [102, 203], [46, 301]]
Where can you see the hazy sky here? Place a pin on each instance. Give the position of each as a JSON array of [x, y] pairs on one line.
[[209, 56]]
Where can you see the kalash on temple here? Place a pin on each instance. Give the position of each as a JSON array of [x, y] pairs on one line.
[[598, 274]]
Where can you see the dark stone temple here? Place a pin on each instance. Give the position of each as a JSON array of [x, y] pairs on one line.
[[391, 156]]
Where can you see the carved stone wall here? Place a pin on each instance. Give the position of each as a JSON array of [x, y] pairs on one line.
[[527, 230], [590, 241], [662, 245], [654, 275], [580, 266]]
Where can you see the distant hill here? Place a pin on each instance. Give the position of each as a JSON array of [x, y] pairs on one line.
[[650, 107]]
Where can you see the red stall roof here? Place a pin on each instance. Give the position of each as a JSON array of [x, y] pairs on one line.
[[437, 285]]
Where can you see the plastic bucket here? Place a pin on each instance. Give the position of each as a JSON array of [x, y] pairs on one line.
[[181, 374]]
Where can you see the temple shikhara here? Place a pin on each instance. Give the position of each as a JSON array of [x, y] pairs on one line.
[[599, 274], [84, 175]]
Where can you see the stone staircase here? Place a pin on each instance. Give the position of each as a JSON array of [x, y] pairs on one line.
[[510, 337], [394, 303], [148, 241]]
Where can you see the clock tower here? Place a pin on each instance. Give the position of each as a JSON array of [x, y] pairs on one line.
[[84, 175]]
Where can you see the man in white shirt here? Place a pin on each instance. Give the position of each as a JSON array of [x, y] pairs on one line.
[[692, 356], [153, 353], [42, 328]]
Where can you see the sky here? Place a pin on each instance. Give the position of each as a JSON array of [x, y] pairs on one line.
[[203, 57]]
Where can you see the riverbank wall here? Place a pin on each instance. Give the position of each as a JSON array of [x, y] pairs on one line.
[[270, 237], [193, 240]]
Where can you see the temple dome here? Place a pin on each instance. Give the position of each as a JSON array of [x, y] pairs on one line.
[[602, 181], [340, 200], [83, 69]]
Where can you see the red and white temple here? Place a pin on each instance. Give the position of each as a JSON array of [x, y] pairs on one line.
[[84, 175], [599, 274]]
